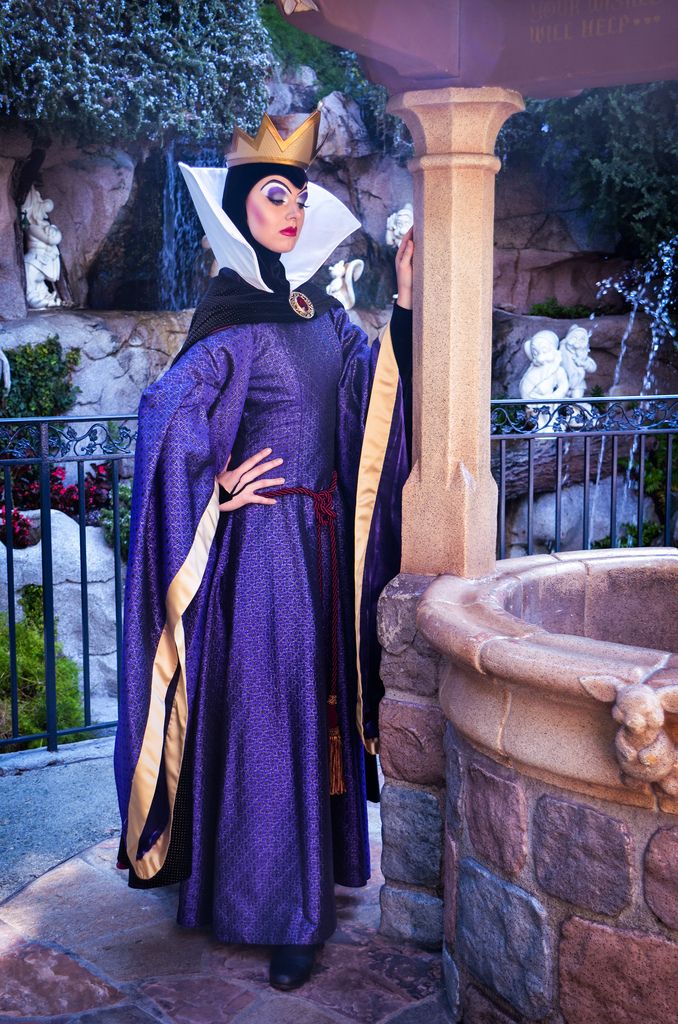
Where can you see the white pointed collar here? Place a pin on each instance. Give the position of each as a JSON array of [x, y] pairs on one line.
[[326, 224]]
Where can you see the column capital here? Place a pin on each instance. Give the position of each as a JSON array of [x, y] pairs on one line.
[[455, 120]]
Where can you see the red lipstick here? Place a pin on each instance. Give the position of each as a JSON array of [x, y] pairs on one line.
[[289, 231]]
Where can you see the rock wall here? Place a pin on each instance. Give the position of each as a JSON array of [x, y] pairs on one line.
[[557, 908], [101, 617], [109, 206], [15, 148], [121, 353], [89, 185], [545, 244], [542, 525]]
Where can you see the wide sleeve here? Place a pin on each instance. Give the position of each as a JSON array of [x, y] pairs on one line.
[[187, 424], [372, 467]]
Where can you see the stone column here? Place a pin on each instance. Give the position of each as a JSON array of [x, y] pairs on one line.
[[450, 499]]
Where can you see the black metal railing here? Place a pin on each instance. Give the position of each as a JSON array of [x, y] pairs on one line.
[[545, 447], [35, 447], [537, 450]]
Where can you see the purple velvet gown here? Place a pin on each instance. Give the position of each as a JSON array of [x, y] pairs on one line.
[[267, 841]]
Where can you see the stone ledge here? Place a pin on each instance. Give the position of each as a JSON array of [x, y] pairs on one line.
[[515, 690]]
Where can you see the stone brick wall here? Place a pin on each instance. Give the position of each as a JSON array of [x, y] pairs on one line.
[[549, 906], [413, 797], [557, 907]]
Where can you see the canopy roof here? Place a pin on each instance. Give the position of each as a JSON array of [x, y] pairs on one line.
[[539, 47]]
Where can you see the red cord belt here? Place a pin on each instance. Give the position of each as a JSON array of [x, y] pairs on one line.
[[325, 515]]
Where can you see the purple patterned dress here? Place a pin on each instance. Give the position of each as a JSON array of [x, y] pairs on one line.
[[227, 631]]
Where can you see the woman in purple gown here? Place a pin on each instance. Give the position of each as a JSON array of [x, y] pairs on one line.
[[266, 520]]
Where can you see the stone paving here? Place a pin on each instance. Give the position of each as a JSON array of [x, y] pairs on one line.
[[78, 945], [75, 786]]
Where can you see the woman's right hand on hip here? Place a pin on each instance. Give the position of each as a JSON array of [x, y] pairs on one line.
[[243, 483]]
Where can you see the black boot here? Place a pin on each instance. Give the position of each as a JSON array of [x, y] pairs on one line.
[[291, 965]]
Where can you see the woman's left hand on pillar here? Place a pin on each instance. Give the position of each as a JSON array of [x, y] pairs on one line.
[[403, 262]]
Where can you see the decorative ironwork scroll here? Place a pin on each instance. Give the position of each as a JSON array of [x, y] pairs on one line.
[[588, 416], [67, 440]]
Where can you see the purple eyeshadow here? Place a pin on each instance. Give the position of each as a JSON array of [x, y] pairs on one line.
[[276, 192]]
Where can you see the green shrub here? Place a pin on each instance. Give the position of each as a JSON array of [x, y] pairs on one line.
[[551, 307], [656, 466], [31, 677], [628, 536], [106, 519], [41, 379], [117, 70], [293, 48]]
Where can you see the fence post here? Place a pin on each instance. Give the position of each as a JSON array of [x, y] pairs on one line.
[[117, 562], [48, 589]]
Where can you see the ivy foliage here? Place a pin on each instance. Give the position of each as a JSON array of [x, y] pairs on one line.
[[106, 518], [551, 307], [30, 656], [116, 70], [617, 149], [41, 379], [656, 467], [293, 48]]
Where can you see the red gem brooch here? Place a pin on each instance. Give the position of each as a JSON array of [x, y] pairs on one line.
[[302, 305]]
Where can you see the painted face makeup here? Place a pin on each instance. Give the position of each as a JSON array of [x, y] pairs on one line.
[[275, 213]]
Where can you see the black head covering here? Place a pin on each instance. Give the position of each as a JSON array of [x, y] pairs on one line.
[[240, 181], [231, 300]]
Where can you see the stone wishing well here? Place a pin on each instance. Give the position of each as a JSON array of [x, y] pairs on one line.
[[529, 813]]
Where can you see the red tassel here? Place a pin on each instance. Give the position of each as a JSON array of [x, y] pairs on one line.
[[325, 515], [337, 785]]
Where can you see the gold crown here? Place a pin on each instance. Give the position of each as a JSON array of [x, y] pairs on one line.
[[268, 146]]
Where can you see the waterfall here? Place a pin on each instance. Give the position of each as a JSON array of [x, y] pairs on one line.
[[183, 273]]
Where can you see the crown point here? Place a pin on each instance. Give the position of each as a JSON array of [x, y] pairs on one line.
[[268, 146]]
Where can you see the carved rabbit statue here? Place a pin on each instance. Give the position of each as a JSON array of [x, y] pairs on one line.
[[644, 749]]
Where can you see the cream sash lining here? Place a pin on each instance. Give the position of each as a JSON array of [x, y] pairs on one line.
[[375, 440], [170, 654]]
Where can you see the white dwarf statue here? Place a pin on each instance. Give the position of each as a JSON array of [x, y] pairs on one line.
[[398, 224], [42, 259], [5, 374], [545, 377], [577, 362], [344, 274]]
